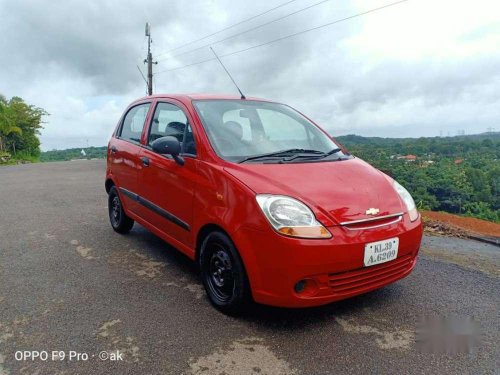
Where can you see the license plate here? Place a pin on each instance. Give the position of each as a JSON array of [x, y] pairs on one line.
[[381, 251]]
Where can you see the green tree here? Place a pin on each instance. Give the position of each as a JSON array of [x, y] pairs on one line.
[[20, 125], [7, 123]]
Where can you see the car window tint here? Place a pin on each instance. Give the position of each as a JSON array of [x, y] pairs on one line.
[[169, 119], [133, 123]]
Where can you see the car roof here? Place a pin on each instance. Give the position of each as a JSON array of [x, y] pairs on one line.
[[185, 98]]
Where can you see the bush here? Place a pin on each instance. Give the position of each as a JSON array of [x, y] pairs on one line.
[[4, 157]]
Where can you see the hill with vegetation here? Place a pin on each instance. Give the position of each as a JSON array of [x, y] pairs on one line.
[[460, 175]]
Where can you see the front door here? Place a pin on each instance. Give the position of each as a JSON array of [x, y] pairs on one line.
[[167, 188]]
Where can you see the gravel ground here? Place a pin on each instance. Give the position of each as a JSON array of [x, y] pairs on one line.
[[69, 283]]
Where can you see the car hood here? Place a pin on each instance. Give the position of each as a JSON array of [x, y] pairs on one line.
[[341, 190]]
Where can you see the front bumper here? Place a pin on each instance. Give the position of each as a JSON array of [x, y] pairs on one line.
[[332, 267]]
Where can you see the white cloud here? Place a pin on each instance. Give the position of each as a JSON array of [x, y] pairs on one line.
[[427, 30], [409, 70]]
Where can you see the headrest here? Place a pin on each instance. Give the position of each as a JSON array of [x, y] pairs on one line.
[[233, 129], [179, 126]]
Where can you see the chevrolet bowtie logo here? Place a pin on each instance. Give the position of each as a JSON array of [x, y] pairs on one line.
[[372, 211]]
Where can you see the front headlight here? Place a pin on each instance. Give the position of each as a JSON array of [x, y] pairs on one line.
[[291, 217], [407, 199]]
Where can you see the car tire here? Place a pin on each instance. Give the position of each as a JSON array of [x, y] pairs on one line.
[[223, 274], [119, 220]]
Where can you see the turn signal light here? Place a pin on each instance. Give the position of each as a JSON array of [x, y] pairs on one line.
[[306, 232]]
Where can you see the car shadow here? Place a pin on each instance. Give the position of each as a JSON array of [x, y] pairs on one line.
[[153, 246], [298, 318], [277, 318]]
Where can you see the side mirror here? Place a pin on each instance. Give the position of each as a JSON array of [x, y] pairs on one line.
[[168, 145]]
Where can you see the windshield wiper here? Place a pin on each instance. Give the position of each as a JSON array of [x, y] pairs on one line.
[[334, 151], [283, 153], [314, 157]]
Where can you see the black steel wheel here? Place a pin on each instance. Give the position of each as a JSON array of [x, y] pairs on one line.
[[120, 222], [223, 274]]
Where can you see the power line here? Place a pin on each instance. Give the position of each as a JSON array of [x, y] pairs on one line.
[[142, 74], [144, 78], [288, 36], [143, 49], [227, 28], [246, 31]]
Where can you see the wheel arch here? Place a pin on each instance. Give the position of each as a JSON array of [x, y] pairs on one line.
[[109, 184], [204, 231]]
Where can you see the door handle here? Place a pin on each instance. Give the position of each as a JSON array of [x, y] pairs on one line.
[[145, 161], [113, 149]]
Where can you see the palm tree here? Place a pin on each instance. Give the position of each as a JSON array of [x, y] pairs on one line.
[[7, 126]]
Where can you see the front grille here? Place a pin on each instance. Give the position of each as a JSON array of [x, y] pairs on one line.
[[364, 278], [373, 222]]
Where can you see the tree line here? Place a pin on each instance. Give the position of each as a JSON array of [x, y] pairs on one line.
[[74, 153]]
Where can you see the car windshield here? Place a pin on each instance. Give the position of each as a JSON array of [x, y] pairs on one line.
[[246, 130]]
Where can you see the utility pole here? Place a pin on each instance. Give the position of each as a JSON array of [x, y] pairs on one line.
[[149, 60]]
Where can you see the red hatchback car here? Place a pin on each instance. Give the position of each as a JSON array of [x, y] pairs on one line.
[[268, 204]]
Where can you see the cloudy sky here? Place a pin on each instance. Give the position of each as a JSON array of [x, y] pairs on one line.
[[420, 68]]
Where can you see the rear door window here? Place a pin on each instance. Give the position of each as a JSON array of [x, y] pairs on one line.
[[133, 123]]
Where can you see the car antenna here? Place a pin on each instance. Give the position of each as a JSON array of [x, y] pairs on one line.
[[229, 74]]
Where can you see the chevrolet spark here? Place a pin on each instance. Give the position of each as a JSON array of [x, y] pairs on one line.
[[271, 208]]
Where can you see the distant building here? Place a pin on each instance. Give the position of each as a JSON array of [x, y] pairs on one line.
[[408, 157], [459, 161]]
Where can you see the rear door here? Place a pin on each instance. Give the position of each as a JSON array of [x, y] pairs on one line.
[[167, 188], [124, 150]]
